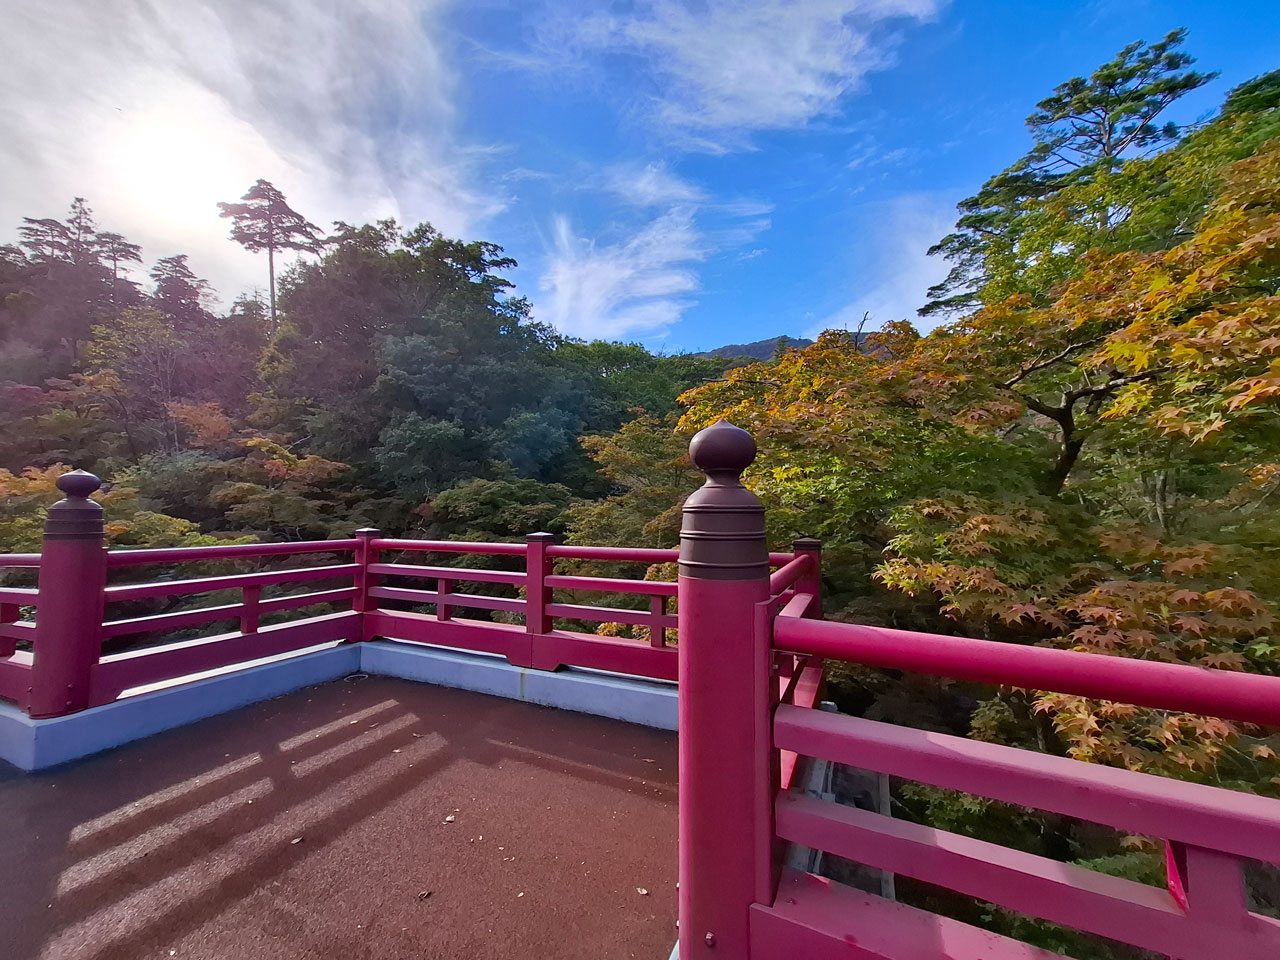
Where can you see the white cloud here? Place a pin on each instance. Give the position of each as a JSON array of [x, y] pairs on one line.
[[651, 184], [640, 285], [729, 67], [154, 111], [905, 228]]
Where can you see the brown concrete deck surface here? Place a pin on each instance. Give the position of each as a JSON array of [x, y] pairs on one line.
[[314, 825]]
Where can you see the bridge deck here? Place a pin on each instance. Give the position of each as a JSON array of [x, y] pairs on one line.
[[318, 825]]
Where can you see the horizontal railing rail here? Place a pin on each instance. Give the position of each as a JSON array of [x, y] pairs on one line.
[[169, 661], [449, 546], [19, 560], [1212, 827], [132, 557], [1245, 697], [1204, 912]]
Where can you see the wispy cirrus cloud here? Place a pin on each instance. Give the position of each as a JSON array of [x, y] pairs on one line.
[[154, 111], [727, 68], [642, 283], [907, 226], [651, 184], [634, 286]]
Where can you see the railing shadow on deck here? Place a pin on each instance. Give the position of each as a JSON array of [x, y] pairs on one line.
[[143, 847]]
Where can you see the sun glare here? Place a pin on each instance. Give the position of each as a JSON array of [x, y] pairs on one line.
[[173, 164]]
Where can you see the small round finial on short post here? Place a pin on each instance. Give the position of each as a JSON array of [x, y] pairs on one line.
[[75, 517], [722, 451], [78, 484], [722, 534]]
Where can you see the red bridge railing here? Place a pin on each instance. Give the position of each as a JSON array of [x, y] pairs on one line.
[[363, 588], [742, 629]]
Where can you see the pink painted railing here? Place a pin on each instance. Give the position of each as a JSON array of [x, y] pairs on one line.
[[739, 725], [15, 665], [363, 583]]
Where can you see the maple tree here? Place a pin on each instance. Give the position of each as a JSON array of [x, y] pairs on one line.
[[1086, 463]]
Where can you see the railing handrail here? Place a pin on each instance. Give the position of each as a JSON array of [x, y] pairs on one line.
[[450, 546], [126, 557], [1244, 697], [19, 560]]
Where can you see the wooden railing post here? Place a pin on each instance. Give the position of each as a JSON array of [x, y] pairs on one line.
[[73, 580], [726, 820], [365, 554], [250, 613], [537, 595]]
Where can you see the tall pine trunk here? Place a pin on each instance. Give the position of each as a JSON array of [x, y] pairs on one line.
[[271, 272]]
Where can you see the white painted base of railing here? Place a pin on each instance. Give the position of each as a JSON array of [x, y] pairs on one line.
[[37, 744]]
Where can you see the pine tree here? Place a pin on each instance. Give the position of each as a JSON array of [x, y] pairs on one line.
[[1083, 131], [263, 220]]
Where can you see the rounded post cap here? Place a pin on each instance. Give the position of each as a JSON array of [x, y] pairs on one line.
[[722, 448], [78, 484]]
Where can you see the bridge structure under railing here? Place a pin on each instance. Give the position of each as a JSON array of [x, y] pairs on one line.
[[746, 644]]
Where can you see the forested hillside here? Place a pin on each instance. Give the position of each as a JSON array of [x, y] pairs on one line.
[[402, 386]]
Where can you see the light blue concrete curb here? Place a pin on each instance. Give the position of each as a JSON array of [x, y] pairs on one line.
[[36, 744], [650, 703]]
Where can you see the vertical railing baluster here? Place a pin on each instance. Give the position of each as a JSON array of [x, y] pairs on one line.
[[657, 631], [726, 788], [537, 595], [71, 602], [9, 613], [444, 611], [365, 554], [811, 580], [1208, 883], [251, 596]]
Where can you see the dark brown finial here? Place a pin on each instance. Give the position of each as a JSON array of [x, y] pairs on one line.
[[78, 484], [722, 535], [77, 517], [721, 449]]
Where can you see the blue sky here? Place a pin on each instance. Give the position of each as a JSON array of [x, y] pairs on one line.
[[683, 174]]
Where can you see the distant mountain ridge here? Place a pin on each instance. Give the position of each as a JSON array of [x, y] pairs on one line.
[[757, 350]]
